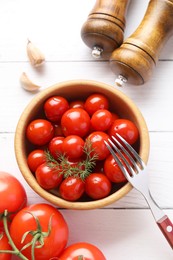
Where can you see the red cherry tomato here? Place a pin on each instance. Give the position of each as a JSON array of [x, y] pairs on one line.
[[4, 245], [56, 146], [40, 132], [101, 120], [72, 188], [54, 108], [73, 146], [74, 162], [53, 231], [75, 121], [126, 129], [12, 195], [99, 166], [95, 102], [36, 158], [82, 250], [47, 177], [97, 140], [114, 116], [57, 129], [76, 104], [97, 186], [112, 170]]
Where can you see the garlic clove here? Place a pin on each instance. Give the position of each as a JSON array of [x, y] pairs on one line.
[[27, 84], [35, 56]]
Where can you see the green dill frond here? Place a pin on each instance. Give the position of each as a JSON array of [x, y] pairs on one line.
[[82, 170]]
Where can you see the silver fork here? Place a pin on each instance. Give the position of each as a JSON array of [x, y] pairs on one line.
[[135, 172]]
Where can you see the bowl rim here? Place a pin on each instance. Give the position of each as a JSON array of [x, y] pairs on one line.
[[29, 177]]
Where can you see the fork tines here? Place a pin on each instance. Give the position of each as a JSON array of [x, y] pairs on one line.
[[125, 156]]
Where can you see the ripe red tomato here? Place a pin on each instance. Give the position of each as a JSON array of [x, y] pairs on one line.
[[74, 162], [112, 170], [114, 116], [95, 102], [99, 166], [54, 108], [12, 195], [82, 250], [126, 129], [47, 177], [57, 129], [76, 104], [54, 241], [73, 146], [97, 186], [40, 131], [36, 158], [72, 188], [101, 120], [75, 121], [56, 146], [4, 245], [97, 140]]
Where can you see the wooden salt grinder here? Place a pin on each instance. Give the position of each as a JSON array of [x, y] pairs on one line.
[[136, 58], [104, 29]]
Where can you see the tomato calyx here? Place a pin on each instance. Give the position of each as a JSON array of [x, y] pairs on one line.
[[36, 242], [81, 170], [38, 235]]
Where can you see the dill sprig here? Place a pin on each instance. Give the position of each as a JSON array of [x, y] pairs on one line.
[[52, 163], [82, 170]]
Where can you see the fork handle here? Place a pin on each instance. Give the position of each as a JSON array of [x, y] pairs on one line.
[[161, 219], [166, 227]]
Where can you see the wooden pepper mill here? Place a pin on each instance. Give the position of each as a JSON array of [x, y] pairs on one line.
[[104, 29], [136, 58]]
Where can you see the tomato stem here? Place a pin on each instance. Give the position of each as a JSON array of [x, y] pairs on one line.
[[38, 236], [35, 239], [81, 257], [8, 252], [15, 250]]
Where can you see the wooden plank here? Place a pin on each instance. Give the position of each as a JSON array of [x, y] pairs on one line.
[[159, 167], [154, 99], [55, 28], [120, 234]]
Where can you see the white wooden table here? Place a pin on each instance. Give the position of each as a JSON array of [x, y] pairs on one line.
[[125, 229]]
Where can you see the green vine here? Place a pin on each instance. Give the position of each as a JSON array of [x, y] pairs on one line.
[[15, 250], [36, 242]]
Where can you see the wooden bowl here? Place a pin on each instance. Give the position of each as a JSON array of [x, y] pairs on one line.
[[76, 89]]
